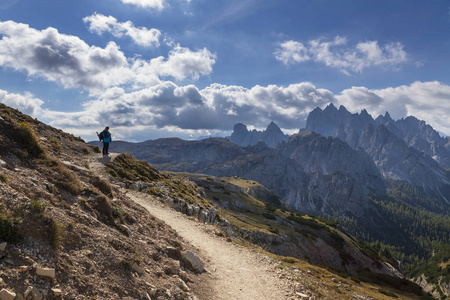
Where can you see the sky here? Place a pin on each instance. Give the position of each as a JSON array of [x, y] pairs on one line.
[[193, 68]]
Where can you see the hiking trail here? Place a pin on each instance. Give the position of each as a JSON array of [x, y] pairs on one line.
[[233, 272]]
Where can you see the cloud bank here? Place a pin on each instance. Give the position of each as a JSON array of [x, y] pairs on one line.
[[338, 55], [71, 62]]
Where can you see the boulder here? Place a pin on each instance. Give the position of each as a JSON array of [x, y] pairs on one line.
[[46, 272], [7, 295], [3, 246], [194, 261]]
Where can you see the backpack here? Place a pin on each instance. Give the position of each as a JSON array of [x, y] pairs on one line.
[[101, 136]]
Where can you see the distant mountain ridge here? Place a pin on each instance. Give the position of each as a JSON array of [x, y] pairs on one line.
[[414, 132], [407, 149], [272, 136]]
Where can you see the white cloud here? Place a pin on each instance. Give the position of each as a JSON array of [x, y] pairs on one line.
[[71, 62], [428, 101], [336, 54], [26, 103], [291, 52], [62, 58], [168, 107], [99, 23], [158, 4], [182, 63]]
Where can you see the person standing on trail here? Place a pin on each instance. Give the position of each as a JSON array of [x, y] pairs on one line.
[[105, 136]]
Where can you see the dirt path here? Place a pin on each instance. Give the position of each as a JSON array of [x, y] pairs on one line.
[[235, 272]]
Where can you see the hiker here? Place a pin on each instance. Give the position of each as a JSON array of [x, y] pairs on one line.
[[105, 136]]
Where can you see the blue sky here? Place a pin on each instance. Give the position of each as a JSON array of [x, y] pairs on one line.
[[190, 68]]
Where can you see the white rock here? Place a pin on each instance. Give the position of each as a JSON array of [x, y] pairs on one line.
[[57, 292], [28, 291], [126, 229], [195, 261], [47, 272], [302, 296], [3, 246], [2, 162], [7, 295], [183, 285]]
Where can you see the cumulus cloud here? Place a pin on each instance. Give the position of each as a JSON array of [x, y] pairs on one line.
[[62, 58], [167, 107], [158, 4], [180, 64], [338, 55], [99, 24], [26, 103], [428, 101], [71, 62]]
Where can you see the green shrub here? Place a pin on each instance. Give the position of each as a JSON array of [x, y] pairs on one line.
[[103, 185], [55, 234], [96, 149], [116, 212], [3, 177], [127, 167], [387, 293], [8, 230], [273, 230], [307, 222], [37, 205], [269, 216], [29, 141]]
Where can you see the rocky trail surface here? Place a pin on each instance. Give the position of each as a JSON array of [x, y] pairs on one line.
[[232, 272]]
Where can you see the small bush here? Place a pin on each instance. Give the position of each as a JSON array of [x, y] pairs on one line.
[[127, 167], [55, 234], [37, 205], [103, 185], [96, 150], [289, 260], [8, 230], [116, 212], [269, 216], [103, 206], [28, 139], [127, 264], [3, 178], [273, 230], [55, 142], [387, 293]]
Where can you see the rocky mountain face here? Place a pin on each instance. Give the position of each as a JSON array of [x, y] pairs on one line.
[[272, 136], [407, 149]]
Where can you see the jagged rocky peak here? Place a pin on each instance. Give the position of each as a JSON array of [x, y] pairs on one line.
[[386, 119], [273, 128], [327, 122], [272, 136], [240, 128]]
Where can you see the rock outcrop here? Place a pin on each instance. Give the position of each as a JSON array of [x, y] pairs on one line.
[[272, 136], [407, 149]]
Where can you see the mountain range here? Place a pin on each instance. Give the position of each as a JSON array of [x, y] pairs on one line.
[[377, 177]]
